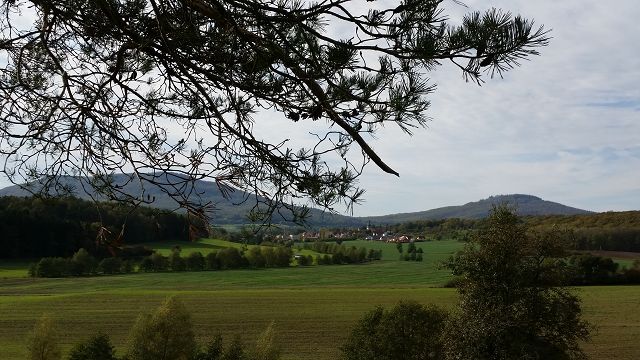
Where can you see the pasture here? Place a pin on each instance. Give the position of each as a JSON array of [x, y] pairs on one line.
[[314, 307]]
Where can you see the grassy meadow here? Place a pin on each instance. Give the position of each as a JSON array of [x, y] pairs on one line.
[[314, 307]]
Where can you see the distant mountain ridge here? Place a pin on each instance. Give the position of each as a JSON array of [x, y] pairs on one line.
[[234, 210], [524, 205], [230, 209]]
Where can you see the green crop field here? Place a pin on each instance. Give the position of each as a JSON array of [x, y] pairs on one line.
[[13, 269], [204, 246], [434, 250], [313, 307]]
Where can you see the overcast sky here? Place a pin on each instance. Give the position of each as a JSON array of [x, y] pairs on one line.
[[565, 126]]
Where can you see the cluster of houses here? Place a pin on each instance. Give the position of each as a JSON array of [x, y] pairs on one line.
[[388, 236], [374, 234], [320, 235]]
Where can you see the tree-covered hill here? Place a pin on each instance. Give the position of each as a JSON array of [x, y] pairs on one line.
[[232, 207], [235, 205], [614, 231], [33, 227], [524, 205]]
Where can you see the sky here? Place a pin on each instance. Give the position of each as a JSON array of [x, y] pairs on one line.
[[565, 126]]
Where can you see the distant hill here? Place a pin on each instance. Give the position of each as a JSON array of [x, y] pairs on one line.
[[234, 209], [524, 204]]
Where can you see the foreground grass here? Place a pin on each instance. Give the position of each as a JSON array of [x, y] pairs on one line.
[[311, 322], [313, 309]]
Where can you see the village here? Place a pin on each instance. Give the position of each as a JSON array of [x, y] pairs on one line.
[[367, 233]]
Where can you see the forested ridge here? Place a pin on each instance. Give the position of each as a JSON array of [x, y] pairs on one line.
[[36, 227], [614, 231]]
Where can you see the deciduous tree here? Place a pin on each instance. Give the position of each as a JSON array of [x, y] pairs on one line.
[[213, 350], [97, 347], [43, 342], [407, 331], [512, 304], [195, 261], [167, 334], [235, 350]]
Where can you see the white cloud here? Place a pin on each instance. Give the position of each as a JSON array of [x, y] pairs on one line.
[[550, 128]]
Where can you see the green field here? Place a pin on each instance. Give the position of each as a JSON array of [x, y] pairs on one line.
[[313, 307], [13, 269], [204, 246]]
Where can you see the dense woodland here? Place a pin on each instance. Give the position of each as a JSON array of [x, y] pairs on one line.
[[34, 227], [613, 231], [83, 264], [437, 229]]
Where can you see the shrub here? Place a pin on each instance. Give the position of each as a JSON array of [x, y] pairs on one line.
[[235, 350], [53, 267], [147, 265], [408, 331], [82, 263], [127, 266], [97, 347], [302, 260], [213, 351], [211, 261], [256, 258], [167, 334], [110, 265], [160, 263], [195, 261], [229, 258], [42, 344], [33, 270], [176, 262]]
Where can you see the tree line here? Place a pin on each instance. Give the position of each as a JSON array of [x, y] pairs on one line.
[[165, 334], [32, 227], [84, 264], [612, 231], [588, 269], [341, 254], [413, 253], [436, 229]]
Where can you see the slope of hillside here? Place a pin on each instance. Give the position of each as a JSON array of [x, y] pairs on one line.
[[524, 205], [232, 209]]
